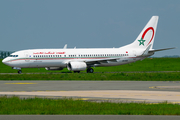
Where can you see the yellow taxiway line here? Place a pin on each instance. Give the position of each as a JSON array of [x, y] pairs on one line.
[[20, 83]]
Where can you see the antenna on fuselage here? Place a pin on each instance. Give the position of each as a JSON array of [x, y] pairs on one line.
[[65, 46]]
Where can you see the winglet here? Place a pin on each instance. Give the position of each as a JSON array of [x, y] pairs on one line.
[[65, 46]]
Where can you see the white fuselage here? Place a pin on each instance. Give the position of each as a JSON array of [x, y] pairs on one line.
[[37, 58]]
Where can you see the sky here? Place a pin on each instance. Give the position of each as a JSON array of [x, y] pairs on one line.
[[32, 24]]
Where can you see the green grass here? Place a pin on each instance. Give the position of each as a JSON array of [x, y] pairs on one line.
[[174, 76], [148, 64], [40, 106], [15, 105]]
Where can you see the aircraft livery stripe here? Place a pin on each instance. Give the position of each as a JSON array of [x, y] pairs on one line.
[[54, 58]]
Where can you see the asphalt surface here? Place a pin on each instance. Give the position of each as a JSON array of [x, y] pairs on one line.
[[114, 91], [11, 86], [128, 91]]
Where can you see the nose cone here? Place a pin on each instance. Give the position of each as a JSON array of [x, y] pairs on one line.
[[4, 61], [7, 61]]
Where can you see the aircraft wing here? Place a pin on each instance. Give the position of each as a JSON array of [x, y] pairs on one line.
[[99, 61]]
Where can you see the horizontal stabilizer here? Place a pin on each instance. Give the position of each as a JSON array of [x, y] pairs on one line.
[[160, 49]]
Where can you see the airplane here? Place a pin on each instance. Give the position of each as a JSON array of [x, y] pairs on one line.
[[80, 59]]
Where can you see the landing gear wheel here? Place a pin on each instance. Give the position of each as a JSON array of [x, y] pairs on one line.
[[19, 71], [90, 70]]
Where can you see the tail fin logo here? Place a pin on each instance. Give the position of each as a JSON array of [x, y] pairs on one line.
[[141, 42]]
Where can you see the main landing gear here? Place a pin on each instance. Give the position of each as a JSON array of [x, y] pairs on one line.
[[90, 70], [19, 71]]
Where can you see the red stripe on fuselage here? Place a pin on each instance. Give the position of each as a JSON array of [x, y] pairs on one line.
[[54, 59]]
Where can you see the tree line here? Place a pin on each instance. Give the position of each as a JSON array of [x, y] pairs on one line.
[[4, 54]]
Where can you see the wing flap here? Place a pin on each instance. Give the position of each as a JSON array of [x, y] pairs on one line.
[[100, 61]]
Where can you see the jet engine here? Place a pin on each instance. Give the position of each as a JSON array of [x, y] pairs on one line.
[[53, 68], [76, 66]]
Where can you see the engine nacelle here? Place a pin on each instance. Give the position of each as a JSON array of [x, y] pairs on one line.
[[76, 66], [53, 68]]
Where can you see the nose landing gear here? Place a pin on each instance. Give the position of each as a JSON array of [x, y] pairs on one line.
[[17, 68]]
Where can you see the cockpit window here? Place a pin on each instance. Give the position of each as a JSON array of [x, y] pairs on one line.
[[13, 56]]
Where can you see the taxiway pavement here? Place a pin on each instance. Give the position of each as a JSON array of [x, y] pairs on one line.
[[115, 91]]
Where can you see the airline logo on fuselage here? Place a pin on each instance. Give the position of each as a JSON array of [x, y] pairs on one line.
[[48, 52]]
